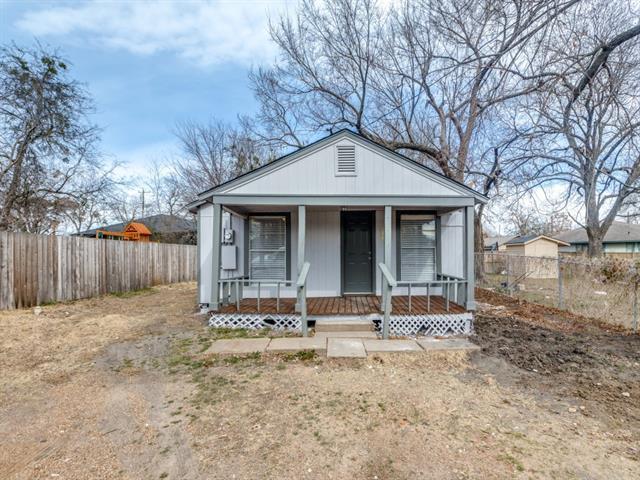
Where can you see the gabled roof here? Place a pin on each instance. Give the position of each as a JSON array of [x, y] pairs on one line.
[[499, 240], [619, 232], [138, 227], [525, 239], [290, 157]]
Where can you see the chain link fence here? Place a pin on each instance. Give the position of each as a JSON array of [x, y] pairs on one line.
[[605, 288]]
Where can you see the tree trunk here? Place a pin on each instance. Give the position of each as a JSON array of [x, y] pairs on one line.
[[594, 236]]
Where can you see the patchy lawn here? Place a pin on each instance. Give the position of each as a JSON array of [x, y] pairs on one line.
[[123, 388]]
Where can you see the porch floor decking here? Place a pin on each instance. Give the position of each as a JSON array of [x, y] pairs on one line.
[[347, 305]]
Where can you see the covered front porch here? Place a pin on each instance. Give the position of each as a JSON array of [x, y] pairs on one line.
[[292, 259]]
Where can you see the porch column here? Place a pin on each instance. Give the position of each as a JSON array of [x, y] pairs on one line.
[[302, 226], [387, 245], [214, 301], [469, 257], [387, 237]]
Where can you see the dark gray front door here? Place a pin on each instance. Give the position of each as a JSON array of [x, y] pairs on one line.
[[357, 252]]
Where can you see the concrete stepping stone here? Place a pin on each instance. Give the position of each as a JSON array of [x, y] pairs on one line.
[[449, 344], [295, 344], [239, 345], [349, 334], [345, 347], [389, 346]]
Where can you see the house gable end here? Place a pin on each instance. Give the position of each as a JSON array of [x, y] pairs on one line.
[[344, 165]]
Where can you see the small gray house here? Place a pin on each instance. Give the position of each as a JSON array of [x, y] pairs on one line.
[[341, 227]]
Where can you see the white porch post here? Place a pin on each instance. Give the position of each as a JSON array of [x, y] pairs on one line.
[[387, 236], [214, 301], [302, 225], [386, 293], [469, 257], [387, 245]]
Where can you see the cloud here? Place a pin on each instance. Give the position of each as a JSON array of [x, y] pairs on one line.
[[206, 33], [136, 161]]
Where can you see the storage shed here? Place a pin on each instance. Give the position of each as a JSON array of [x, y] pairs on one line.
[[546, 248]]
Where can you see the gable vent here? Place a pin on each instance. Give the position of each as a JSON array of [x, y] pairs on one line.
[[345, 160]]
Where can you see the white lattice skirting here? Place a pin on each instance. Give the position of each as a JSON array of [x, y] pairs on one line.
[[431, 325], [274, 321], [399, 325]]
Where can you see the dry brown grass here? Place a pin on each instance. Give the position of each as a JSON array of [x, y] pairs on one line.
[[121, 388]]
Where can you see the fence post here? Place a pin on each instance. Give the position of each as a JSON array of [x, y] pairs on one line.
[[560, 286], [508, 275], [635, 308]]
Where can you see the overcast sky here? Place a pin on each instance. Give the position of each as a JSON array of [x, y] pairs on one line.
[[150, 64]]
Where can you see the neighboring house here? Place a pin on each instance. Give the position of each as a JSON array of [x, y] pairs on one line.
[[496, 244], [622, 239], [535, 246], [161, 228], [327, 229]]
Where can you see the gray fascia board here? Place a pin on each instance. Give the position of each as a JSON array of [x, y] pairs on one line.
[[344, 200], [194, 206]]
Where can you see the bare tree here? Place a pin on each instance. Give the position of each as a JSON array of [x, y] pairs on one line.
[[423, 78], [528, 220], [124, 205], [582, 130], [90, 211], [212, 154], [48, 160], [164, 188]]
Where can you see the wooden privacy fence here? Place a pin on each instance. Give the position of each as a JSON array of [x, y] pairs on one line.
[[36, 269]]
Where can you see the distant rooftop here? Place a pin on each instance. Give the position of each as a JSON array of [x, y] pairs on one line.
[[521, 240], [497, 241], [619, 232], [156, 223]]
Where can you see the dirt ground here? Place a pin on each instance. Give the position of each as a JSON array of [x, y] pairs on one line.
[[122, 387]]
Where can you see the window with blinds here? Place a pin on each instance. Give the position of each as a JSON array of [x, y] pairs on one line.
[[417, 247], [268, 248]]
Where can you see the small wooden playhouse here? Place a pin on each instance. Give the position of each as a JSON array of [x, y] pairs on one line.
[[133, 232]]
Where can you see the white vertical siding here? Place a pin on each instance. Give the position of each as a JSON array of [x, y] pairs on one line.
[[206, 246], [322, 250], [380, 247], [236, 223], [377, 174], [452, 243]]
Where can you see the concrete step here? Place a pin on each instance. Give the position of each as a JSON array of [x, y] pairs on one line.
[[360, 334], [345, 347], [344, 324]]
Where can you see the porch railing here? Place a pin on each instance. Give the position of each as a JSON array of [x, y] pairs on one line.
[[452, 289], [387, 285], [235, 295], [232, 291]]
